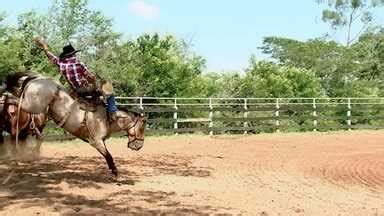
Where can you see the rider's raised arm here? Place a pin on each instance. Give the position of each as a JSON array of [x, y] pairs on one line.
[[54, 59]]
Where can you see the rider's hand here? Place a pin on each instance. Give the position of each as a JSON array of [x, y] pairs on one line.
[[41, 43], [91, 78]]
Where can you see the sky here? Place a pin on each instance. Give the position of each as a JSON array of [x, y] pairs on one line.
[[225, 32]]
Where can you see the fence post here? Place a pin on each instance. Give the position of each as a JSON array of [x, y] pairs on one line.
[[141, 104], [349, 114], [210, 116], [175, 125], [314, 115], [245, 124], [141, 107], [277, 114]]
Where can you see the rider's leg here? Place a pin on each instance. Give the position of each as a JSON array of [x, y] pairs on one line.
[[111, 106]]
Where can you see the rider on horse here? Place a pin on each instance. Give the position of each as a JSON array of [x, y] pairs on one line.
[[77, 74]]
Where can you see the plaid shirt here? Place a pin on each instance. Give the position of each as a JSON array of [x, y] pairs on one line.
[[73, 70]]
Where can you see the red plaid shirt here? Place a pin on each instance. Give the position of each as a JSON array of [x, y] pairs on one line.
[[73, 70]]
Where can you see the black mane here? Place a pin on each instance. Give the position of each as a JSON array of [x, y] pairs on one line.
[[12, 79], [135, 112]]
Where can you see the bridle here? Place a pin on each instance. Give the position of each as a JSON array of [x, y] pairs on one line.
[[134, 129]]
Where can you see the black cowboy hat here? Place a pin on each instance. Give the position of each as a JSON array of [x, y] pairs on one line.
[[68, 51]]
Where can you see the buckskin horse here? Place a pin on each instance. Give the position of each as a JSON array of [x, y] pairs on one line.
[[29, 124], [38, 93]]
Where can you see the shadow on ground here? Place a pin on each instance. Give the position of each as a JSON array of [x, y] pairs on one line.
[[39, 184]]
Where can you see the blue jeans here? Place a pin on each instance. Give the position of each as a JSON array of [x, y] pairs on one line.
[[111, 104]]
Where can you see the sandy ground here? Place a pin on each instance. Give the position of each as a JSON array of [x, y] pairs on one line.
[[272, 174]]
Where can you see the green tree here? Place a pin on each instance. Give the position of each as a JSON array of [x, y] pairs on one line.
[[346, 13], [164, 67], [9, 49], [342, 70], [267, 79], [151, 65], [330, 61], [214, 85]]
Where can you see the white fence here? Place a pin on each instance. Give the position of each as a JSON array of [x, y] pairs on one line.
[[211, 115]]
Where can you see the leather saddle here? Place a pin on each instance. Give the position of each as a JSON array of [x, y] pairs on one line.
[[89, 102], [8, 99], [4, 100]]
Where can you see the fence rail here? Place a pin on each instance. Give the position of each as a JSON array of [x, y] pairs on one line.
[[212, 115]]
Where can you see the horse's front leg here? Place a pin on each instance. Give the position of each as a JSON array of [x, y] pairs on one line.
[[100, 146], [39, 140], [13, 134], [36, 149]]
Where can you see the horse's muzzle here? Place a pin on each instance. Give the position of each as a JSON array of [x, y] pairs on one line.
[[136, 145]]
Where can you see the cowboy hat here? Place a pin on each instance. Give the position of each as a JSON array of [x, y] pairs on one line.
[[68, 51]]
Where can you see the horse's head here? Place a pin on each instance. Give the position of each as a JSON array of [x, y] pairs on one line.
[[134, 124]]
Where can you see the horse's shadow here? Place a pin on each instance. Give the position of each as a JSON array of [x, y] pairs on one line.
[[38, 183]]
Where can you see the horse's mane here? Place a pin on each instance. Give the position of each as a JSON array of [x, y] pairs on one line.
[[12, 79], [132, 112]]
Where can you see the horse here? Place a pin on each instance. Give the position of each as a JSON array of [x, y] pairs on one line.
[[29, 124], [37, 93]]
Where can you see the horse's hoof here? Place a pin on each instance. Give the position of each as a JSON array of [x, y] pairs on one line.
[[114, 172], [36, 151]]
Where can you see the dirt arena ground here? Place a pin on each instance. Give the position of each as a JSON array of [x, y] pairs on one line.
[[271, 174]]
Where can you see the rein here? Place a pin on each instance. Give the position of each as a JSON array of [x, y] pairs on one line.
[[134, 129], [18, 116]]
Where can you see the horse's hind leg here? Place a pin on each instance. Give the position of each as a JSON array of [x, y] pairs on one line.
[[15, 149], [100, 146]]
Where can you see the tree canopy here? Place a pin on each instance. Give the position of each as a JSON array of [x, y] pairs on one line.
[[163, 65]]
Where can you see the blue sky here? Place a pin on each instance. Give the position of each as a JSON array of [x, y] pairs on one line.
[[225, 32]]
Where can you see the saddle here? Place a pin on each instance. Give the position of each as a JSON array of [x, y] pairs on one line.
[[89, 102], [7, 99], [8, 107], [22, 83]]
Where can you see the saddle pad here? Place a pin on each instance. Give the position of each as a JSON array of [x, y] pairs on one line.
[[10, 99]]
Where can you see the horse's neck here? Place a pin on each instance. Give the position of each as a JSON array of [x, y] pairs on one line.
[[114, 127]]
